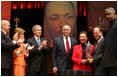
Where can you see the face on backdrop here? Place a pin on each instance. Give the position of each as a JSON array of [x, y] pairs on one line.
[[58, 14], [37, 31], [97, 33], [83, 38]]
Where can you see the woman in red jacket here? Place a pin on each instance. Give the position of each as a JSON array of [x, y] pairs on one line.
[[80, 52]]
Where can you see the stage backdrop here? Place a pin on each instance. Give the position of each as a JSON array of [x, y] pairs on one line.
[[5, 10], [96, 15]]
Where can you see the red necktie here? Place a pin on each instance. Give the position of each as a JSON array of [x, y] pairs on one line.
[[67, 46], [97, 44]]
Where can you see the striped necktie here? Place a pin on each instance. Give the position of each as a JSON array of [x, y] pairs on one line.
[[38, 42]]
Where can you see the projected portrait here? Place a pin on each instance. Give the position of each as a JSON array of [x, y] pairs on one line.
[[57, 14]]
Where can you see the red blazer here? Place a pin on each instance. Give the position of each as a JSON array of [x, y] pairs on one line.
[[77, 58]]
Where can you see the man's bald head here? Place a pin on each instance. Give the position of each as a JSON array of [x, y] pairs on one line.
[[66, 29], [111, 8], [110, 13], [5, 26]]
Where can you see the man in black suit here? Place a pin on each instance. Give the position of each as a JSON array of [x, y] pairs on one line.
[[7, 47], [97, 55], [37, 56], [109, 61], [62, 50]]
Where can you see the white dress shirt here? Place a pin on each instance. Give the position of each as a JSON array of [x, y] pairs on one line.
[[37, 38], [69, 41]]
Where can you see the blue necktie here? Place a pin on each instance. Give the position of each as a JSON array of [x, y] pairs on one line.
[[38, 42]]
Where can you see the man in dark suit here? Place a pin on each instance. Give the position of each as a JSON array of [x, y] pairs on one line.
[[62, 50], [109, 61], [7, 47], [97, 56], [37, 56]]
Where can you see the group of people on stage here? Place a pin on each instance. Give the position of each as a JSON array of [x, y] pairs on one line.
[[99, 59]]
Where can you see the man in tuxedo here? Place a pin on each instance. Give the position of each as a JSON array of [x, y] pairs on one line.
[[62, 50], [37, 56], [97, 55], [7, 47], [109, 61]]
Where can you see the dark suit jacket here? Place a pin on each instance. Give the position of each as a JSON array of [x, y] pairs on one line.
[[97, 58], [37, 59], [60, 58], [7, 48], [110, 46]]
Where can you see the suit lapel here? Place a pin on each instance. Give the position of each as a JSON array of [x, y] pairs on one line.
[[5, 35], [41, 40], [63, 45], [95, 48], [35, 42], [98, 45]]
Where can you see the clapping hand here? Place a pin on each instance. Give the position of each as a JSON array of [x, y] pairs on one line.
[[44, 43], [15, 36], [25, 45], [30, 47], [20, 40]]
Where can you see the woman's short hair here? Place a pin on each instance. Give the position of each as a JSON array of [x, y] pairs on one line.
[[83, 32], [19, 30]]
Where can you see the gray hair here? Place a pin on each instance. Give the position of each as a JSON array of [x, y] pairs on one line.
[[111, 8], [34, 27], [66, 25], [3, 22]]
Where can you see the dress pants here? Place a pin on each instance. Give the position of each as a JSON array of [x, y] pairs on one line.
[[111, 71], [34, 73]]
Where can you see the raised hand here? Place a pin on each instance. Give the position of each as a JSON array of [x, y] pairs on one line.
[[15, 36], [44, 43], [30, 47], [25, 45], [20, 40], [54, 69]]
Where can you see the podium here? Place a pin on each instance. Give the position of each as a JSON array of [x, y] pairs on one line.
[[73, 73]]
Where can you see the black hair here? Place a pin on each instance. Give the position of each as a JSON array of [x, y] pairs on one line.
[[46, 2]]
